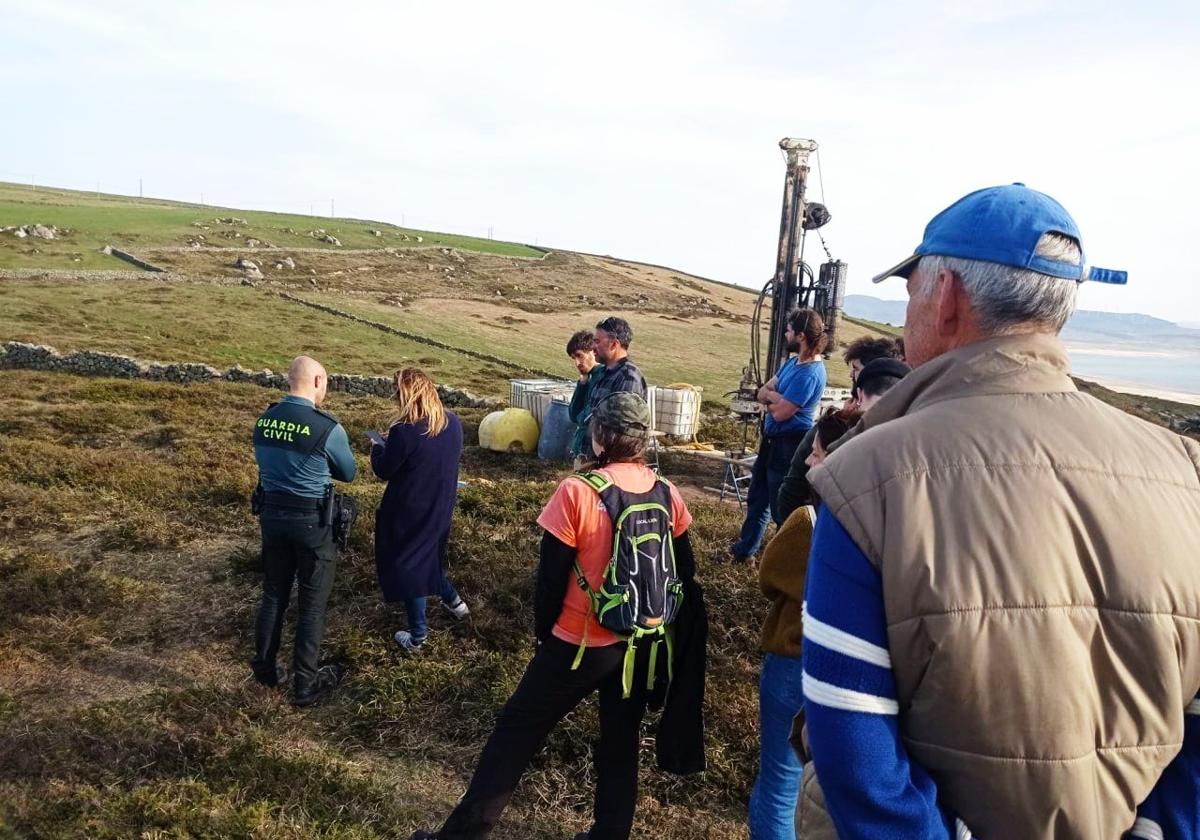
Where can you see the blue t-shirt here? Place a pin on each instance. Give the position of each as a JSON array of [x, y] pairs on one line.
[[801, 383]]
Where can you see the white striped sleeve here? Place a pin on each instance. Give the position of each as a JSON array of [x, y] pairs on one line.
[[1145, 829], [847, 699]]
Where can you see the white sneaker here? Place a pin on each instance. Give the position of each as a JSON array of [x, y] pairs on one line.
[[459, 610], [405, 640]]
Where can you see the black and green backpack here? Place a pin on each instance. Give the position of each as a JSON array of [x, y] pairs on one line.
[[641, 592]]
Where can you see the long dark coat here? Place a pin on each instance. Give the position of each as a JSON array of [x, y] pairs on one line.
[[412, 526]]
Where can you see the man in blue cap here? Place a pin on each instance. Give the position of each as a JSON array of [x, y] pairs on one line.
[[1002, 618]]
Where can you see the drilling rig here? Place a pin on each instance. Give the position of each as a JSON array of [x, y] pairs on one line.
[[793, 284]]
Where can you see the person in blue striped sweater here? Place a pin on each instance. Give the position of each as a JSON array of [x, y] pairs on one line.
[[1002, 612]]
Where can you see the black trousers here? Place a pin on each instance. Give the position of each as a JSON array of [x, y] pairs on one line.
[[547, 692], [295, 547]]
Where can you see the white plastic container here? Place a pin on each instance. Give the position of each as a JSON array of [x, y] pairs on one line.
[[676, 411], [519, 388]]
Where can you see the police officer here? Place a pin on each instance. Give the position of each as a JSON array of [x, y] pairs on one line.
[[299, 448]]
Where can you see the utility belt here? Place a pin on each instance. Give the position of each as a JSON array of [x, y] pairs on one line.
[[336, 509]]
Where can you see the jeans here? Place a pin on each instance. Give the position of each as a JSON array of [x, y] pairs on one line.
[[547, 693], [415, 607], [777, 788], [295, 547], [770, 468]]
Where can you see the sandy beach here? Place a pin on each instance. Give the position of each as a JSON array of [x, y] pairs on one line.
[[1142, 390]]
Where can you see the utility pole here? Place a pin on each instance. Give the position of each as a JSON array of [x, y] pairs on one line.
[[140, 188], [201, 198], [489, 231], [331, 213], [310, 209]]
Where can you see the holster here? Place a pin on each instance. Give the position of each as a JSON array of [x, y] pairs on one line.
[[345, 512], [256, 499]]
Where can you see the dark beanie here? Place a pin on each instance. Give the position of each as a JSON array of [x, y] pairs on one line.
[[879, 369]]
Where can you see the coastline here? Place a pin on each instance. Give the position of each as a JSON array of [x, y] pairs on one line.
[[1142, 390]]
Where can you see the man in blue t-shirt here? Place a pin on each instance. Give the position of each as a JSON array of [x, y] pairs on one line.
[[791, 399]]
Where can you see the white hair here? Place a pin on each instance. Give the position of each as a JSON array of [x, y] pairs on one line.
[[1008, 299]]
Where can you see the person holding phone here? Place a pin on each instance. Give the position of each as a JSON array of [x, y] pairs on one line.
[[419, 462]]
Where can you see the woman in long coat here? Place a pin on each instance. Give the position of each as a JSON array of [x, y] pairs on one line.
[[419, 462]]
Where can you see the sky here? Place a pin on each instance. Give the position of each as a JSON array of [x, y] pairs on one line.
[[646, 130]]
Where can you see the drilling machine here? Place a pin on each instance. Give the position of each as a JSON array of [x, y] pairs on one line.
[[793, 285]]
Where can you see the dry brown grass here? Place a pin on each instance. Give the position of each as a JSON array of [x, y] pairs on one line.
[[129, 580]]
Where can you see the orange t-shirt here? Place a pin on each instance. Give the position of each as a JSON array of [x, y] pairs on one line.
[[576, 516]]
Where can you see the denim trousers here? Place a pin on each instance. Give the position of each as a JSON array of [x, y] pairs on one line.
[[415, 607], [777, 788], [770, 468], [296, 548]]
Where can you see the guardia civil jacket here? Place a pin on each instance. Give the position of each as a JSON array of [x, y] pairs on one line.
[[1038, 555]]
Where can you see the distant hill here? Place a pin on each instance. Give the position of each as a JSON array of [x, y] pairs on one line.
[[1085, 327]]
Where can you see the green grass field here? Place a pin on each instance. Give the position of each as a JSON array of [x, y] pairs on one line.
[[97, 220], [220, 325]]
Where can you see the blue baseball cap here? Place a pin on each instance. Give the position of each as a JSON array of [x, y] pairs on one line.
[[1003, 225]]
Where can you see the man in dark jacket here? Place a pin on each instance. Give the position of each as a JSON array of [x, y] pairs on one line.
[[299, 450], [612, 339]]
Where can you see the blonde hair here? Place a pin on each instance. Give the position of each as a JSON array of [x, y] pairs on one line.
[[417, 399]]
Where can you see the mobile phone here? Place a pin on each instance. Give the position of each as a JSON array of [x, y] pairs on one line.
[[376, 439]]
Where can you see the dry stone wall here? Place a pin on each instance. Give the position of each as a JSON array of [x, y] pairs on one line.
[[20, 355]]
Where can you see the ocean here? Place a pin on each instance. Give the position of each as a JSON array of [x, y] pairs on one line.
[[1178, 373]]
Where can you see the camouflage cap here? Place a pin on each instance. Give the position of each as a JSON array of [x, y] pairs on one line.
[[624, 412]]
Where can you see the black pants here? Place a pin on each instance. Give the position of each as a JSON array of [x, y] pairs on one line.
[[295, 546], [547, 692]]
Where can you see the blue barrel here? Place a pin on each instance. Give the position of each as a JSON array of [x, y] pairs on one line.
[[554, 443]]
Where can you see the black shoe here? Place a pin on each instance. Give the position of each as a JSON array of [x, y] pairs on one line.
[[270, 680], [328, 676], [583, 836], [423, 835]]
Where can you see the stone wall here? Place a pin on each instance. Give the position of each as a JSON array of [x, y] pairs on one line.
[[129, 258], [19, 355]]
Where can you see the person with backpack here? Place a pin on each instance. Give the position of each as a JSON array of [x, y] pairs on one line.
[[606, 615]]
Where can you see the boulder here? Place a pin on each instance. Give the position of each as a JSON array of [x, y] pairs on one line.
[[40, 231], [20, 233], [288, 263], [245, 264], [252, 243], [331, 239]]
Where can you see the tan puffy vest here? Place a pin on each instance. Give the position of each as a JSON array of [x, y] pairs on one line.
[[1040, 556]]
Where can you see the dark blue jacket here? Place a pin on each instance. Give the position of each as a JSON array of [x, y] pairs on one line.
[[412, 526]]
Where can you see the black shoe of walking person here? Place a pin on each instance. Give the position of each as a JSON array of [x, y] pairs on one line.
[[328, 676], [268, 678]]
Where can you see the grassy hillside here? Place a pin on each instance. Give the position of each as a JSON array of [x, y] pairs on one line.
[[468, 293], [97, 219]]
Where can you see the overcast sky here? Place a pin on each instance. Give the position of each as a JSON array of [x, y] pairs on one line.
[[644, 130]]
